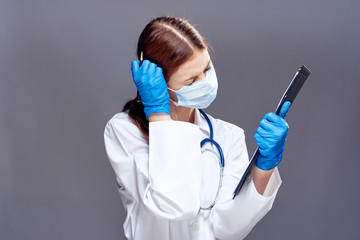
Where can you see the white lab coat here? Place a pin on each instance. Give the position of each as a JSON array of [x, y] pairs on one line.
[[163, 182]]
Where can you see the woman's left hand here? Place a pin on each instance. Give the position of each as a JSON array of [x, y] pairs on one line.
[[271, 137]]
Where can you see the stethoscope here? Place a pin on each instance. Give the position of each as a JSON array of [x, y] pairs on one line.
[[221, 160]]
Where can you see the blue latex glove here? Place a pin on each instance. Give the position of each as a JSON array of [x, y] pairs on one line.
[[152, 87], [271, 137]]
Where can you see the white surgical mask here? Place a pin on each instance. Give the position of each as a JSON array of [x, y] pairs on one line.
[[200, 94]]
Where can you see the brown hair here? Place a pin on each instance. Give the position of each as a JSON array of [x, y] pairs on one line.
[[168, 42]]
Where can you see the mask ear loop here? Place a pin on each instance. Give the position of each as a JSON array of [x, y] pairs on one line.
[[175, 102], [138, 98]]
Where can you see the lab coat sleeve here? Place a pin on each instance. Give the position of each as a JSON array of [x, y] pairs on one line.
[[234, 219], [162, 174]]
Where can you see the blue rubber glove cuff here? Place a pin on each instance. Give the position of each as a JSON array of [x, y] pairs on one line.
[[267, 164], [165, 108]]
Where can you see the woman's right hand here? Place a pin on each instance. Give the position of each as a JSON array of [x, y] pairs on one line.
[[152, 87]]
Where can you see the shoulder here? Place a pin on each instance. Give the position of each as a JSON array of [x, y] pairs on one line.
[[119, 118], [121, 124]]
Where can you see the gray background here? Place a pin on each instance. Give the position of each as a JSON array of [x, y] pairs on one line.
[[65, 71]]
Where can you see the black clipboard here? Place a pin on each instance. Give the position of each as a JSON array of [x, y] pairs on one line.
[[289, 95]]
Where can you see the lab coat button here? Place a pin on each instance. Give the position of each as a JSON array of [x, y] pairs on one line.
[[195, 226]]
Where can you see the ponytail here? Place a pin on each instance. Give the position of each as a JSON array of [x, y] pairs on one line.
[[135, 110]]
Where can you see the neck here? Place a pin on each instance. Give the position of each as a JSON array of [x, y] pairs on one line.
[[179, 113]]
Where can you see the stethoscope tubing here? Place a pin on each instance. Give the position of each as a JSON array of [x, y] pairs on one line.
[[211, 138], [221, 155]]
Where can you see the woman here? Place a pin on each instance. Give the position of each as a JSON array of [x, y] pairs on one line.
[[171, 187]]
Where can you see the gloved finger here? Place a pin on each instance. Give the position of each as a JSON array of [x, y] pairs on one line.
[[151, 67], [272, 117], [158, 72], [144, 66], [263, 133], [284, 109], [258, 139], [266, 125], [261, 142], [159, 69], [135, 65]]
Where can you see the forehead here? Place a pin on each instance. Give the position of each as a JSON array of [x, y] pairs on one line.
[[193, 67]]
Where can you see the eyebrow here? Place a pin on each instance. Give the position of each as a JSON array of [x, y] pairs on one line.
[[208, 65]]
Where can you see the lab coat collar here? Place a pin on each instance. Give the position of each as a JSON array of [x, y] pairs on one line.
[[201, 121]]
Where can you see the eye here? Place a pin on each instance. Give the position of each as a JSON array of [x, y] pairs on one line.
[[194, 79], [192, 82], [206, 70]]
